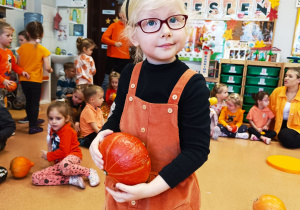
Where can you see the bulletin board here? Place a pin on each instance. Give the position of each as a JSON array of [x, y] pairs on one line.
[[296, 40]]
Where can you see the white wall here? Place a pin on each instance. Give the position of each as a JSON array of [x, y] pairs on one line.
[[285, 26]]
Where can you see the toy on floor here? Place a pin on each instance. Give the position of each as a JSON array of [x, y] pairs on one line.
[[20, 167], [268, 202], [126, 158], [284, 163], [3, 174]]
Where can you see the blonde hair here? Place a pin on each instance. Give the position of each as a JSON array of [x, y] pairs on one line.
[[134, 9], [87, 43], [112, 75], [296, 70], [90, 91], [236, 99], [217, 89], [3, 26]]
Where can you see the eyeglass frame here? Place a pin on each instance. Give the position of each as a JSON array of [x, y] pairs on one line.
[[161, 23]]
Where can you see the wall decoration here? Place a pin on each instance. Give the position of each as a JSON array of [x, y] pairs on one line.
[[245, 9], [214, 9], [229, 8], [61, 33], [274, 3], [262, 9], [199, 6], [296, 41], [273, 14]]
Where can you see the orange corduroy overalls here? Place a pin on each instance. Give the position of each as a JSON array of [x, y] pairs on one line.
[[157, 126]]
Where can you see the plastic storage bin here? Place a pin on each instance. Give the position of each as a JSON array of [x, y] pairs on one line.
[[210, 85], [254, 89], [262, 81], [232, 69], [248, 99], [30, 17], [234, 88], [263, 71], [233, 79]]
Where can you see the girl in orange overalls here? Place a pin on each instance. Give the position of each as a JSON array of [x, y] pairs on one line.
[[163, 103]]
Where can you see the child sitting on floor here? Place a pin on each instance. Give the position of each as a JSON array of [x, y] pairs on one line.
[[91, 118], [260, 117], [66, 83], [231, 118]]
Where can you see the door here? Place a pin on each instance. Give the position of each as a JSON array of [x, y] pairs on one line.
[[97, 23]]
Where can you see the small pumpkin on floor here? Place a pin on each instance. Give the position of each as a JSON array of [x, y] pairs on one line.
[[20, 167], [126, 158], [3, 174], [268, 202]]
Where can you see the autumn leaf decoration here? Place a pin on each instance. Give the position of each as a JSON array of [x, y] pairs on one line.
[[259, 44], [228, 34], [274, 3], [273, 14], [231, 24]]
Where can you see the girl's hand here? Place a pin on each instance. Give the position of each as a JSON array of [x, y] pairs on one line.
[[96, 155], [25, 74], [7, 83], [259, 130], [77, 127], [118, 44], [229, 128], [265, 128], [49, 70], [44, 154]]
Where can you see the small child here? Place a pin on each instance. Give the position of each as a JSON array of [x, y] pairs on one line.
[[34, 57], [91, 118], [66, 83], [85, 65], [23, 37], [63, 149], [7, 60], [7, 126], [260, 117], [112, 88], [220, 91], [231, 116], [77, 104]]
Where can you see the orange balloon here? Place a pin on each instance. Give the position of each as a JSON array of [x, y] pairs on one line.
[[268, 202], [12, 86]]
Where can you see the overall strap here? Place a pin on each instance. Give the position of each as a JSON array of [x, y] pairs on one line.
[[177, 90], [134, 78]]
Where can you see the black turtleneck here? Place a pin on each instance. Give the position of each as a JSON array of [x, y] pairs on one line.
[[155, 85]]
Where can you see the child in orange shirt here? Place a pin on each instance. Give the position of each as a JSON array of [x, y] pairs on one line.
[[33, 57], [84, 63], [260, 117], [112, 88], [91, 118], [64, 151], [231, 116], [7, 60]]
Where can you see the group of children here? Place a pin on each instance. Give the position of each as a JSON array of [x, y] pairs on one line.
[[230, 116]]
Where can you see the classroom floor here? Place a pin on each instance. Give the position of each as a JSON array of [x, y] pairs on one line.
[[234, 175]]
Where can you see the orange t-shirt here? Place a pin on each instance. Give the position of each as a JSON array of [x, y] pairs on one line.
[[7, 63], [31, 59], [260, 117], [90, 115], [227, 117]]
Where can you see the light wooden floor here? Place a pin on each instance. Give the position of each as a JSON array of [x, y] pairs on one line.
[[234, 175]]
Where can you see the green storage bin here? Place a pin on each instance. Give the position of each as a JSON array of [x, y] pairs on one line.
[[247, 107], [255, 89], [234, 88], [262, 81], [232, 79], [244, 119], [263, 71], [210, 85], [232, 69], [248, 99]]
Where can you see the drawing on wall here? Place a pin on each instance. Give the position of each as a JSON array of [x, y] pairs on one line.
[[61, 33]]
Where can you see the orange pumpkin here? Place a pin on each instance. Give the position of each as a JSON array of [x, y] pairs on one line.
[[113, 96], [126, 158], [20, 167], [268, 202], [12, 86], [234, 128]]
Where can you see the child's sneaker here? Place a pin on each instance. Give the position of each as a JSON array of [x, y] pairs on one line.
[[242, 135], [34, 130], [24, 120], [253, 138], [93, 177], [216, 132], [266, 140], [222, 134], [77, 181]]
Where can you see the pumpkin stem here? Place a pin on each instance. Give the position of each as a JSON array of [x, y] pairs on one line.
[[105, 172]]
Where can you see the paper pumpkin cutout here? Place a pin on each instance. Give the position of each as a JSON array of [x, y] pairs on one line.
[[274, 3], [228, 34], [259, 44], [273, 14], [231, 24]]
